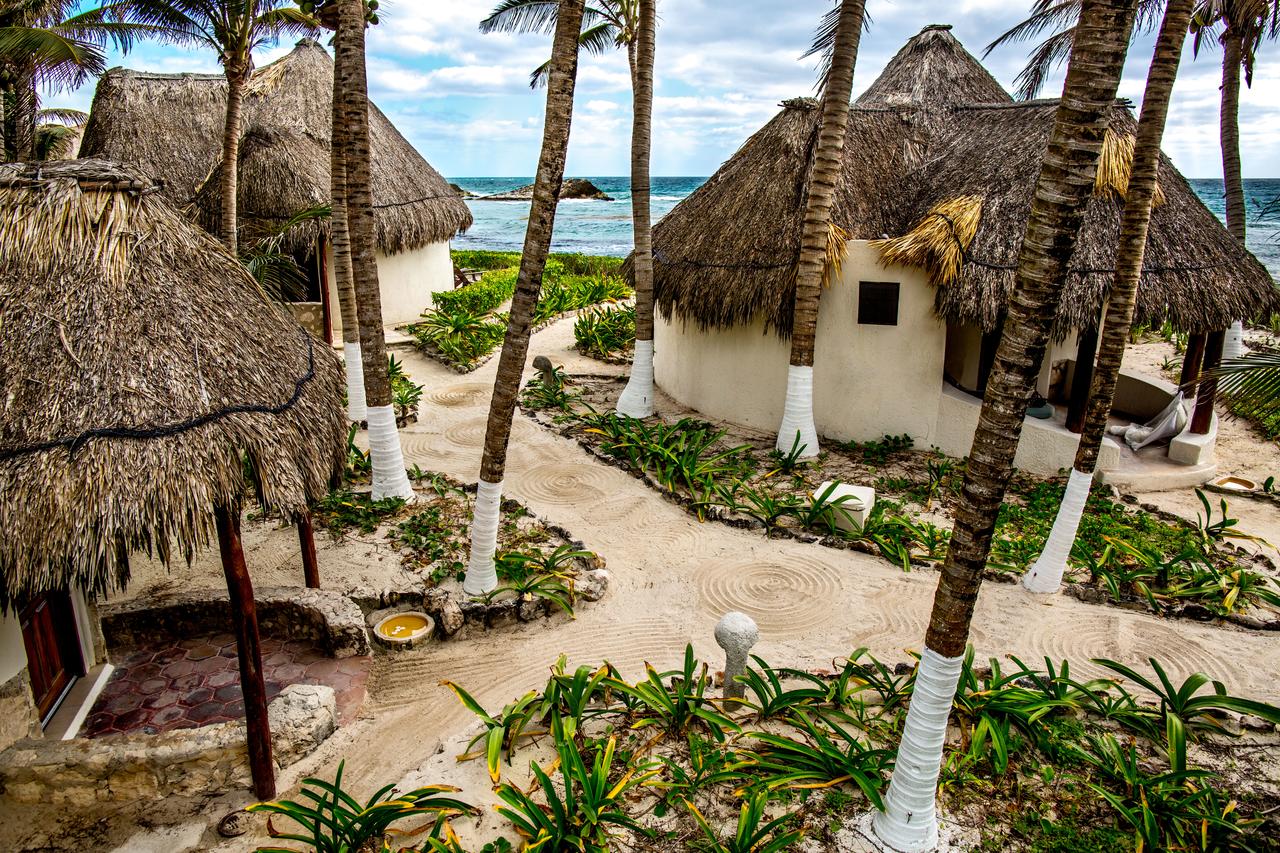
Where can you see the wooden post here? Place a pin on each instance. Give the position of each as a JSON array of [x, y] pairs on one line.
[[1208, 388], [322, 271], [307, 543], [1192, 358], [244, 618], [1082, 380]]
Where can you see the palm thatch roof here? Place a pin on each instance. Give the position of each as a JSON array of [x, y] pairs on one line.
[[142, 374], [940, 166], [284, 156]]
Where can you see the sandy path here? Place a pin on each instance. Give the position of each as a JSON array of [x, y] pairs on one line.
[[672, 578]]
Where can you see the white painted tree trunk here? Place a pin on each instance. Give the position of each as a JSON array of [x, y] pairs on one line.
[[637, 398], [1045, 574], [356, 409], [797, 414], [482, 576], [909, 822], [1233, 342], [389, 477]]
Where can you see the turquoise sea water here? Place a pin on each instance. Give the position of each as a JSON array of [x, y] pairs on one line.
[[604, 227]]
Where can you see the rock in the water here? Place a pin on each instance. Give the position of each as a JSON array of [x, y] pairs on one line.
[[575, 188], [464, 193]]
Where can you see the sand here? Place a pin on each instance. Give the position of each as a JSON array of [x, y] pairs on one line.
[[672, 578]]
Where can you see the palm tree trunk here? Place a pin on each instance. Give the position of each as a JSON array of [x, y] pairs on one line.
[[1232, 184], [343, 277], [389, 477], [797, 416], [1045, 575], [25, 106], [237, 79], [909, 822], [481, 575], [637, 398]]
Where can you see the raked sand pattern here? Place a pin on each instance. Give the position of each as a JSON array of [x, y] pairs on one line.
[[672, 577]]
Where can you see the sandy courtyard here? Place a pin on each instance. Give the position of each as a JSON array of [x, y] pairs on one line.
[[672, 578]]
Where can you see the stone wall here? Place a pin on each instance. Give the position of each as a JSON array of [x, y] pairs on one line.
[[17, 710], [332, 620], [185, 762]]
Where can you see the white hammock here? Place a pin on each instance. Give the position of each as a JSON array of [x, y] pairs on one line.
[[1164, 426]]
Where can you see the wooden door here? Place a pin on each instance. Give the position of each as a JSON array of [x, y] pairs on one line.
[[53, 649]]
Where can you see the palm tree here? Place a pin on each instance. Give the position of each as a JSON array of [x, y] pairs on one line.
[[636, 399], [326, 11], [797, 429], [351, 89], [49, 44], [909, 821], [1240, 26], [1045, 575], [629, 24], [481, 575], [235, 29]]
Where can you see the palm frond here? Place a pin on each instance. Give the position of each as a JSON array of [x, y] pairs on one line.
[[1048, 55], [60, 62], [597, 40], [522, 16], [1250, 383], [824, 40], [63, 115], [55, 141], [1055, 15]]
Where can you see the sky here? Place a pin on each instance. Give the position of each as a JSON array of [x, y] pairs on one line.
[[464, 101]]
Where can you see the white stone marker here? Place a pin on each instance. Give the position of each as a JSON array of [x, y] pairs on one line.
[[736, 633]]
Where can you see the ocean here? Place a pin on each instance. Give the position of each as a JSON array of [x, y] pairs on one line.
[[604, 227]]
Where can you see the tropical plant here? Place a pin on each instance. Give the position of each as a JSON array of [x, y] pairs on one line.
[[826, 755], [53, 45], [820, 243], [607, 24], [1139, 198], [752, 834], [234, 30], [276, 270], [332, 821], [1195, 710], [481, 574], [555, 588], [579, 813], [604, 333], [503, 732], [676, 708], [1062, 193]]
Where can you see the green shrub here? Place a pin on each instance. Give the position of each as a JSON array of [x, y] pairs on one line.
[[484, 259], [606, 331], [459, 337], [494, 288]]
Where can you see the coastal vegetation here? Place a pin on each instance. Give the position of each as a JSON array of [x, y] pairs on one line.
[[1128, 758], [465, 325], [1121, 554]]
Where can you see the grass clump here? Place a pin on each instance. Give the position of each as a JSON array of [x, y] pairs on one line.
[[1035, 760], [464, 326], [606, 333]]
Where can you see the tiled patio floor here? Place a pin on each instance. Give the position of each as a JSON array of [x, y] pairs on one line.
[[196, 682]]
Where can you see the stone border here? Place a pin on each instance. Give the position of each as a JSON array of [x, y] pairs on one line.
[[1083, 592], [184, 762], [329, 618], [452, 610]]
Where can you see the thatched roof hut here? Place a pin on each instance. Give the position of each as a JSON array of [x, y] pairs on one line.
[[938, 156], [141, 371], [284, 156]]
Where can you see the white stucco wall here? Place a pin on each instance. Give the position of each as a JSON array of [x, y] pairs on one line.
[[869, 381], [13, 653], [407, 280]]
